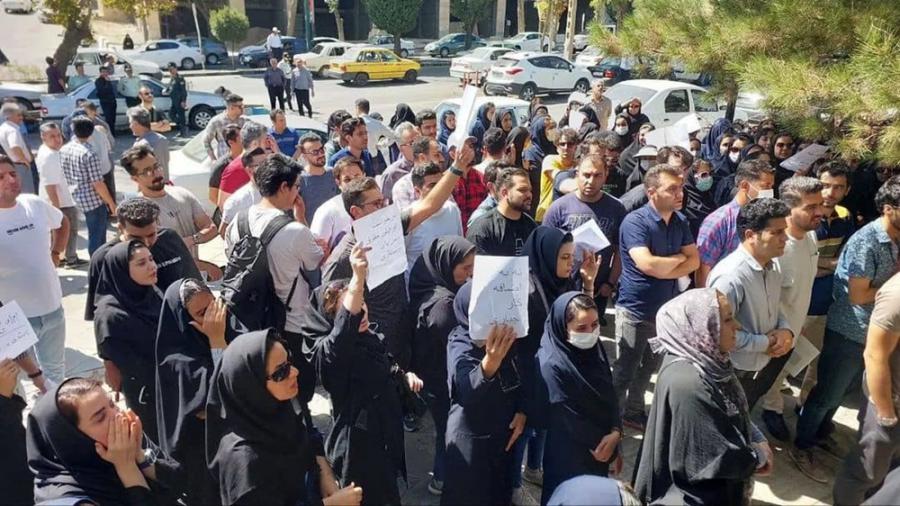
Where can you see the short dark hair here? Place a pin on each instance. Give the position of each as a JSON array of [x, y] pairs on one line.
[[662, 156], [744, 137], [350, 125], [362, 105], [82, 127], [275, 112], [232, 133], [308, 137], [341, 165], [274, 171], [138, 211], [569, 134], [420, 172], [49, 60], [608, 139], [888, 194], [752, 170], [794, 188], [233, 98], [425, 115], [834, 169], [336, 118], [421, 146], [506, 175], [755, 215], [352, 196], [594, 160], [494, 141], [133, 154], [493, 170], [653, 178]]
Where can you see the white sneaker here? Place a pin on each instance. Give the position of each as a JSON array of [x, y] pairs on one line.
[[520, 497], [535, 476]]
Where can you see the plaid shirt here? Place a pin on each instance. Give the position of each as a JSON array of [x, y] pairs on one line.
[[469, 192], [718, 234], [81, 167]]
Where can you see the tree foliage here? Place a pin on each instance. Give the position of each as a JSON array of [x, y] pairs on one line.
[[396, 17], [229, 25], [470, 12], [75, 17], [827, 68], [142, 9], [549, 12], [334, 7]]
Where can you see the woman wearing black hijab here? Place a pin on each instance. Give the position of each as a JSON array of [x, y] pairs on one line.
[[192, 323], [699, 194], [542, 130], [632, 110], [577, 399], [258, 445], [487, 412], [517, 141], [483, 119], [365, 445], [446, 126], [402, 113], [16, 480], [83, 450], [503, 119], [781, 148], [622, 129], [125, 324], [434, 280]]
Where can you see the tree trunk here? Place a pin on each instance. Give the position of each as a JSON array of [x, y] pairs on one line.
[[339, 21], [70, 43], [553, 25], [145, 28], [291, 27], [569, 48], [397, 47], [599, 10], [520, 17]]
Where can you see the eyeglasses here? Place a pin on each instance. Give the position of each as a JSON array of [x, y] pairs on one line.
[[378, 203], [281, 373], [156, 167], [634, 106], [314, 151]]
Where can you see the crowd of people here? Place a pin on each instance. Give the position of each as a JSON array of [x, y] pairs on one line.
[[720, 258]]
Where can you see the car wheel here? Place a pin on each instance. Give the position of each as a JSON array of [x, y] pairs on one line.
[[321, 71], [487, 91], [201, 115], [212, 59], [582, 86], [410, 76], [188, 64], [445, 52], [346, 81], [404, 53], [528, 92], [361, 79]]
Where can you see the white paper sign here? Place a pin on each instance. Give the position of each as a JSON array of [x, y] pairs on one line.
[[576, 119], [805, 158], [804, 353], [499, 295], [383, 232], [16, 334], [589, 236], [464, 117], [675, 135], [377, 130], [689, 123]]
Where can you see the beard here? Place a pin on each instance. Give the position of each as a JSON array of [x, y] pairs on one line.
[[157, 184]]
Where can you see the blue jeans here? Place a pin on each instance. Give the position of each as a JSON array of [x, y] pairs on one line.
[[534, 440], [51, 346], [840, 363], [97, 220]]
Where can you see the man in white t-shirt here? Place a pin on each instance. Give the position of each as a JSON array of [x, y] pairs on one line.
[[292, 249], [274, 43], [14, 145], [447, 221], [798, 268], [331, 220], [246, 195], [55, 189], [179, 209], [34, 236]]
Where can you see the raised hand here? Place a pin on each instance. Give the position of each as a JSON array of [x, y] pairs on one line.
[[358, 261], [213, 326], [499, 341], [589, 267]]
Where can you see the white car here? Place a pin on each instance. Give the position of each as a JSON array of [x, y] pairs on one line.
[[479, 60], [28, 97], [590, 56], [528, 41], [519, 107], [318, 58], [93, 58], [528, 74], [666, 102], [680, 72], [166, 51], [26, 6], [189, 166], [201, 106], [580, 42], [407, 47]]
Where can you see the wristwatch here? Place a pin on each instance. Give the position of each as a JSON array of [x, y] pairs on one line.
[[455, 171]]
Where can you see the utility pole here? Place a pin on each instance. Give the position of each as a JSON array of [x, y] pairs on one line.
[[569, 47]]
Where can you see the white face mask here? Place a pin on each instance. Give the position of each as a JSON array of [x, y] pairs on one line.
[[734, 156], [645, 164], [765, 194], [621, 130], [584, 340]]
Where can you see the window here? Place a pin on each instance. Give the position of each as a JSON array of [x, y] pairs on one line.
[[168, 45], [559, 63], [338, 51], [543, 62], [153, 46], [677, 101], [388, 57], [531, 36], [703, 102]]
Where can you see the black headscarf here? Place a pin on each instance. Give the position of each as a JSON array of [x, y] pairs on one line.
[[402, 113], [64, 460], [709, 147], [542, 247], [461, 306], [480, 126], [443, 130], [498, 118], [590, 114], [252, 439], [586, 130], [433, 271], [515, 141], [540, 145], [697, 204], [536, 109], [624, 140]]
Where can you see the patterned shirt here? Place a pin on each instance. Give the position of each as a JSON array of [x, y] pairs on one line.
[[718, 234], [81, 166], [832, 234], [214, 135], [871, 254], [468, 194]]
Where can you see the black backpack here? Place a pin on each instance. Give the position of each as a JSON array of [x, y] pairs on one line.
[[247, 286]]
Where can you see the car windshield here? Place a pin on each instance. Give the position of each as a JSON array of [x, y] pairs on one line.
[[520, 36], [317, 49], [622, 92], [447, 38], [612, 61]]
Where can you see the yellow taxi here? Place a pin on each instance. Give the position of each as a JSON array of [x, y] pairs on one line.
[[360, 65]]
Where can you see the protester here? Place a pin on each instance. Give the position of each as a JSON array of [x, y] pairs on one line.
[[274, 81], [543, 143], [446, 126], [332, 221], [629, 161], [782, 148], [14, 145], [128, 87], [106, 94], [698, 195], [18, 482], [285, 136], [335, 142], [600, 104], [444, 222], [699, 412], [493, 148], [444, 266], [424, 150], [552, 165], [575, 381], [503, 119], [55, 190], [503, 230], [631, 110], [402, 113], [232, 135], [355, 137], [483, 118], [213, 137], [237, 174], [55, 81], [645, 159], [139, 122], [79, 78], [407, 134], [317, 185]]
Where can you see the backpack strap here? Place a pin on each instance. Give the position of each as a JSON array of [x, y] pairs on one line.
[[243, 223], [266, 237]]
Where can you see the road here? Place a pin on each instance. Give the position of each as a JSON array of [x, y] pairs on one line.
[[26, 40]]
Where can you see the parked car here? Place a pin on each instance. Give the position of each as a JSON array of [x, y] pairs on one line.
[[165, 52], [319, 57], [28, 97], [407, 47], [214, 51], [589, 57], [519, 107], [189, 166], [322, 40], [614, 69], [479, 60], [528, 74], [361, 64], [452, 43], [201, 106], [580, 42], [26, 6], [527, 41], [93, 58], [680, 73], [257, 55], [666, 102]]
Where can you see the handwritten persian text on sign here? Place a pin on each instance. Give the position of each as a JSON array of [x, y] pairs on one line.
[[499, 295], [383, 232], [16, 334]]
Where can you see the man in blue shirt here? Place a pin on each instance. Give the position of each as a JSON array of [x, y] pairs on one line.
[[356, 137], [868, 260], [657, 248], [286, 137]]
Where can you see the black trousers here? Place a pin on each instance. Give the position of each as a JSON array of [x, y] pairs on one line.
[[177, 116], [277, 52], [109, 115], [303, 100], [276, 93], [132, 101], [757, 383]]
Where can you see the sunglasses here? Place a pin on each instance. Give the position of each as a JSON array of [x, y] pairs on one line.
[[281, 373]]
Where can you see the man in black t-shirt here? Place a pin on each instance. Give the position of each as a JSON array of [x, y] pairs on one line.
[[503, 230], [232, 134]]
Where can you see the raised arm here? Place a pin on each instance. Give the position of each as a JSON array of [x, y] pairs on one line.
[[422, 209]]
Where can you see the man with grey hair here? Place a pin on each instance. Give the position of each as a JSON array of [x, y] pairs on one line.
[[406, 134], [799, 264], [236, 175], [13, 143], [140, 124], [54, 188]]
